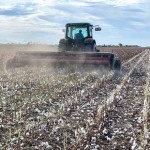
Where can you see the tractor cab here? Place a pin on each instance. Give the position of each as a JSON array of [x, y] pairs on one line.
[[78, 37], [78, 31]]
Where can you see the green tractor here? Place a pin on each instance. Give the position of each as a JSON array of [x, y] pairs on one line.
[[78, 47], [78, 37]]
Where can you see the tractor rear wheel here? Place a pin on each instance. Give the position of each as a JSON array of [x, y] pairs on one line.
[[117, 65], [90, 47], [117, 68]]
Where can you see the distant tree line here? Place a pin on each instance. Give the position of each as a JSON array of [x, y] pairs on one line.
[[119, 45]]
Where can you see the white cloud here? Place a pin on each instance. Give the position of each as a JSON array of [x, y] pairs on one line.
[[122, 2], [138, 24], [45, 2], [76, 3], [48, 17], [118, 2]]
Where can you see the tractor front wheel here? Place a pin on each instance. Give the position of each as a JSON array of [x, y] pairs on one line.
[[62, 47]]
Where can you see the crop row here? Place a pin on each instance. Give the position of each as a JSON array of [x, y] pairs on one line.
[[107, 132], [40, 109]]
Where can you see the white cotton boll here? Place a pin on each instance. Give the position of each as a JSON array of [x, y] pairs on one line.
[[38, 117], [134, 145], [76, 99], [147, 135], [46, 145], [43, 126], [82, 91], [60, 121], [82, 130], [77, 118], [129, 125], [36, 147], [22, 144], [93, 140], [14, 139], [68, 109], [62, 106], [100, 125], [2, 126], [105, 131], [131, 140], [92, 86], [21, 138], [37, 110], [121, 97], [82, 110], [27, 133], [108, 138], [125, 129], [87, 146], [128, 80], [139, 120], [90, 121], [55, 129], [76, 133], [97, 147], [117, 97], [46, 114], [57, 138]]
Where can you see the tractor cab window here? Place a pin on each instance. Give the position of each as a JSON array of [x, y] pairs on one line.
[[90, 29], [77, 32]]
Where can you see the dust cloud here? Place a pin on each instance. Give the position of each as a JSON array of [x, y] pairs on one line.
[[8, 51]]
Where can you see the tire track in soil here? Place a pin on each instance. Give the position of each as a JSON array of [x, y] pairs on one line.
[[106, 110], [122, 124], [145, 141]]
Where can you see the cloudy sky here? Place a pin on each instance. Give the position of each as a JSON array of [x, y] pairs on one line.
[[42, 21]]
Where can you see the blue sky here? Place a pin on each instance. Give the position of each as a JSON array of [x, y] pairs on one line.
[[42, 21]]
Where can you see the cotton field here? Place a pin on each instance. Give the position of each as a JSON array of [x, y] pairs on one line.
[[41, 108]]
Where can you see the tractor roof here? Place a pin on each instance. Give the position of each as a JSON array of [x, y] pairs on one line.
[[79, 24]]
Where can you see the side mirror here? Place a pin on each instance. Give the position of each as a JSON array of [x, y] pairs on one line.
[[98, 29], [63, 30]]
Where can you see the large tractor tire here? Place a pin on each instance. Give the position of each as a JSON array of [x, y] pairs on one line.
[[117, 65], [117, 68], [90, 47], [62, 45]]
